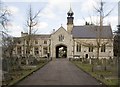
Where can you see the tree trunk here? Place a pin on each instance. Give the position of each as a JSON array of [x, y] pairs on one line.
[[27, 61], [98, 52]]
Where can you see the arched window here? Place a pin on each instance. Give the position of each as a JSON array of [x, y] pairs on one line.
[[61, 37], [19, 50], [45, 41], [103, 48], [78, 47], [45, 50], [36, 50], [36, 42], [91, 49]]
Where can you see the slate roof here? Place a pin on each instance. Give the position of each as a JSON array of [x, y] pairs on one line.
[[43, 35], [36, 36], [91, 31]]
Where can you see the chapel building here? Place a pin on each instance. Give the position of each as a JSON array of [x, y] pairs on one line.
[[75, 41]]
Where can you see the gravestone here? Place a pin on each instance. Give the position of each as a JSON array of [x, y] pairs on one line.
[[98, 68], [107, 68], [6, 76]]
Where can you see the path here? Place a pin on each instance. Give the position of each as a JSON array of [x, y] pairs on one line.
[[59, 72]]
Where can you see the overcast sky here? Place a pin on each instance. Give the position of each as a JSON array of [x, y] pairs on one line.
[[54, 13]]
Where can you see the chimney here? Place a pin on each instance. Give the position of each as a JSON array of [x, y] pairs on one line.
[[53, 30], [23, 34]]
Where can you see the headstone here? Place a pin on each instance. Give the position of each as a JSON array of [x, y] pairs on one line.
[[102, 60], [98, 68], [108, 68], [90, 61]]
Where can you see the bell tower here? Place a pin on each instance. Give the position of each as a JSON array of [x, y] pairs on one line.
[[70, 19]]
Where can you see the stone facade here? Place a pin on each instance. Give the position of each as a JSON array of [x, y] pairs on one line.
[[92, 53], [75, 40], [67, 41]]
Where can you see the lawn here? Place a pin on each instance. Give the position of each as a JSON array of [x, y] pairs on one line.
[[106, 77]]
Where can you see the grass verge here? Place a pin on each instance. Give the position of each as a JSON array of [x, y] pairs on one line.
[[24, 74], [106, 77]]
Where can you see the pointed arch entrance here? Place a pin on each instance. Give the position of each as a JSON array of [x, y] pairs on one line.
[[61, 51]]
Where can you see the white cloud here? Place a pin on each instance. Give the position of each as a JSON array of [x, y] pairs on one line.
[[90, 19], [42, 25], [51, 0], [41, 0], [79, 22], [13, 9], [23, 0], [47, 12], [53, 7], [113, 21], [110, 20], [88, 5], [60, 4], [14, 29]]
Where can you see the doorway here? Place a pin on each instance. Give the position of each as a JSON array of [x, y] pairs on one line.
[[61, 51]]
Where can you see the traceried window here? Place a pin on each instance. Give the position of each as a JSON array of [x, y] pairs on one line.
[[36, 42], [27, 42], [45, 50], [78, 47], [61, 37], [91, 49], [19, 42], [27, 52], [45, 41], [19, 50], [36, 50], [103, 48]]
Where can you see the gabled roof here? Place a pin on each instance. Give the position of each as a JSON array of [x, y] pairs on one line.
[[59, 29], [91, 31]]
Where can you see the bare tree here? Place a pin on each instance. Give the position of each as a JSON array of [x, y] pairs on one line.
[[31, 24], [4, 15], [100, 41], [8, 45]]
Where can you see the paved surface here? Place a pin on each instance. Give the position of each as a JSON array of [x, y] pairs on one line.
[[59, 72]]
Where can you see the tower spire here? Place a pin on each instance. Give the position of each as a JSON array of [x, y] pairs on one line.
[[70, 12], [70, 19]]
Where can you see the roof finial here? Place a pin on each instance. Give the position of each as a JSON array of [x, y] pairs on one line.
[[61, 25], [70, 5]]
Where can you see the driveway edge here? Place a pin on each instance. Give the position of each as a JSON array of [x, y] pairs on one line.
[[25, 76], [90, 75]]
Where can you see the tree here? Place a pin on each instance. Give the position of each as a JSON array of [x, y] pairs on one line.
[[4, 15], [100, 42], [8, 45], [31, 23], [117, 48]]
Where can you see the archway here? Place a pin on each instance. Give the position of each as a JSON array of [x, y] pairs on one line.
[[86, 56], [61, 51]]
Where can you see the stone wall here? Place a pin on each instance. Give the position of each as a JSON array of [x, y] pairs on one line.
[[85, 43], [68, 42]]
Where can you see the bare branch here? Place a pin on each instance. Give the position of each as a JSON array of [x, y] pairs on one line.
[[109, 12], [99, 40], [4, 14], [34, 24], [36, 14]]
